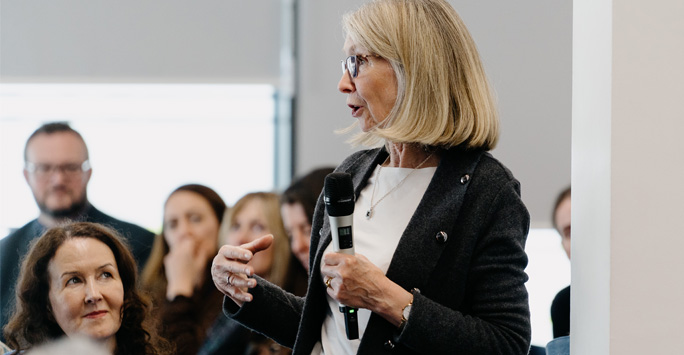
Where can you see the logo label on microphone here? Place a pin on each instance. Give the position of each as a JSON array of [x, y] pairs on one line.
[[345, 235]]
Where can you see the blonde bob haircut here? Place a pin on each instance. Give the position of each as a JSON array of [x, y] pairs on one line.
[[443, 96]]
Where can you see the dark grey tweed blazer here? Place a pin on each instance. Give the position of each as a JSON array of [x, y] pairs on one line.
[[470, 297]]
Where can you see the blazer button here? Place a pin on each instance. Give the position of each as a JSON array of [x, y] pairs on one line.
[[464, 179], [441, 237], [389, 345]]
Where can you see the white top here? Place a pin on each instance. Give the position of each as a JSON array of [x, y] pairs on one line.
[[376, 239]]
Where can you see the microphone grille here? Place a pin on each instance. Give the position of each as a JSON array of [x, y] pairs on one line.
[[338, 185], [339, 194]]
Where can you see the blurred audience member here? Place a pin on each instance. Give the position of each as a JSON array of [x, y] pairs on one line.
[[178, 272], [4, 348], [70, 346], [560, 307], [57, 170], [80, 280], [253, 216], [297, 207]]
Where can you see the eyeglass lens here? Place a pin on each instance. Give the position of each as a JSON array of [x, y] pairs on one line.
[[350, 65], [45, 170]]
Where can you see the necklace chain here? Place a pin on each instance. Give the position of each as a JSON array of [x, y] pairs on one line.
[[369, 213]]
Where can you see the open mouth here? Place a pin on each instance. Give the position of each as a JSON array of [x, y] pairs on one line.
[[355, 110]]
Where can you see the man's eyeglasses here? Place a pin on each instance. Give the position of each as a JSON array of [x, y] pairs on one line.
[[45, 170], [353, 62]]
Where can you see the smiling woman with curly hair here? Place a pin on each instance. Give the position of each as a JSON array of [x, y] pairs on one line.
[[80, 280]]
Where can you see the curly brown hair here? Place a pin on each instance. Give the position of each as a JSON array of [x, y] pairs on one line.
[[31, 325]]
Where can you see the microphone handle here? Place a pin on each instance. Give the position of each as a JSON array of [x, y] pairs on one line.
[[343, 242], [341, 228]]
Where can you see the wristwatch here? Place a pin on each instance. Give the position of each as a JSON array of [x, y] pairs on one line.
[[405, 313]]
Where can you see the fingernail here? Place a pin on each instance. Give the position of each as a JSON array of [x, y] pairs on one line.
[[246, 256], [247, 272]]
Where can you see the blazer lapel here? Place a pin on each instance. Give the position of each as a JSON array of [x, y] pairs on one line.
[[360, 180], [423, 241]]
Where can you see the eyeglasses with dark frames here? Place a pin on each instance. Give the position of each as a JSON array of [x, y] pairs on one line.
[[352, 63]]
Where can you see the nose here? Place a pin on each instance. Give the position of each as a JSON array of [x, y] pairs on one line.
[[239, 236], [345, 85], [57, 176], [183, 228], [93, 294]]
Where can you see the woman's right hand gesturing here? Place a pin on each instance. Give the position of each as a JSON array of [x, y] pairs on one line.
[[230, 271]]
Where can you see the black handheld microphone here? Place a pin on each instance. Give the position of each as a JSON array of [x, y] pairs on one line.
[[339, 203]]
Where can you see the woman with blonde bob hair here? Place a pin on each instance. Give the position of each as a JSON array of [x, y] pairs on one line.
[[439, 227], [443, 97]]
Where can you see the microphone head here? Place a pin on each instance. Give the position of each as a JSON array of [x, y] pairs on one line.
[[339, 194]]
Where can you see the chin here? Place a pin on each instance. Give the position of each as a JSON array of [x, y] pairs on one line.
[[102, 334], [62, 210]]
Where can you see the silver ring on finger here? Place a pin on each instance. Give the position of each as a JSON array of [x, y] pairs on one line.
[[228, 280]]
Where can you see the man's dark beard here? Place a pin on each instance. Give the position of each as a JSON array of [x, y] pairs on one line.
[[72, 212]]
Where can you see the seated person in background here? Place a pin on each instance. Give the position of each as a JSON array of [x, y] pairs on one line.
[[178, 272], [80, 280], [560, 307], [69, 346], [57, 170], [253, 216], [297, 207]]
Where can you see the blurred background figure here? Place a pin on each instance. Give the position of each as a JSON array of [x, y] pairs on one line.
[[57, 169], [178, 273], [560, 307], [79, 280], [253, 216], [297, 206], [70, 346]]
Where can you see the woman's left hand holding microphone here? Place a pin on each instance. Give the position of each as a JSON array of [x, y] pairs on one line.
[[230, 271], [355, 281]]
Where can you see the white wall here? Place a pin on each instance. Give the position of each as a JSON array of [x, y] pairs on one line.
[[526, 48]]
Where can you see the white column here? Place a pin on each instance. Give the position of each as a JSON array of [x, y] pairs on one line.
[[627, 174]]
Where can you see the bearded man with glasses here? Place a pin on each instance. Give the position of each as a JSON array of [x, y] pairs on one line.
[[57, 170]]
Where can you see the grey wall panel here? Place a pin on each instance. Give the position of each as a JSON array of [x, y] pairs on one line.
[[140, 41]]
